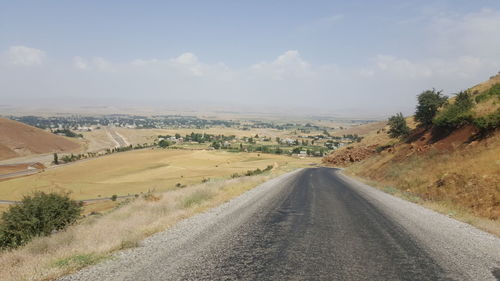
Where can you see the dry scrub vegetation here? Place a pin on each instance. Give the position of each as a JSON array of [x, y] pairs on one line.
[[97, 236], [466, 179]]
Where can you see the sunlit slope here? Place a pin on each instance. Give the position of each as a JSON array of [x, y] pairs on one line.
[[459, 169], [19, 139]]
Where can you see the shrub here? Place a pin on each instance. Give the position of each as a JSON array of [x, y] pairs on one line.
[[114, 197], [456, 114], [398, 126], [494, 91], [37, 215], [151, 197], [381, 148], [254, 172], [428, 104], [488, 122]]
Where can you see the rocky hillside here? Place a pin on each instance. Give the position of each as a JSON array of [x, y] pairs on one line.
[[455, 166]]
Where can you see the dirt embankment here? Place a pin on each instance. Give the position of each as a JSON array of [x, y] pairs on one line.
[[349, 155], [18, 139]]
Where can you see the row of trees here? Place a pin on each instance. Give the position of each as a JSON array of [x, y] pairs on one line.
[[75, 157]]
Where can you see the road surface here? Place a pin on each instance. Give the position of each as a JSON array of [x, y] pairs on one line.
[[117, 138], [20, 173], [312, 224]]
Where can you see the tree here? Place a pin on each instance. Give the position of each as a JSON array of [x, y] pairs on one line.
[[163, 144], [398, 127], [456, 114], [428, 104], [56, 159]]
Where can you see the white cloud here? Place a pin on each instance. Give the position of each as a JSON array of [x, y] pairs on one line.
[[80, 63], [472, 34], [186, 58], [287, 65], [188, 61], [96, 63], [402, 67], [464, 67], [22, 55], [102, 64]]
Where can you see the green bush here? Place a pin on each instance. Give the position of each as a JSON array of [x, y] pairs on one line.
[[488, 122], [164, 144], [456, 114], [37, 215], [398, 126], [494, 91]]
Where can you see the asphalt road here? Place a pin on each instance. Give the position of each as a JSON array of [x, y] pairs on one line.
[[313, 224]]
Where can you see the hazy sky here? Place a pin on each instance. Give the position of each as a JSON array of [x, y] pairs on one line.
[[338, 56]]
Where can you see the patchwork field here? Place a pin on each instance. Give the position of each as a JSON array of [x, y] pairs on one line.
[[141, 171], [149, 135]]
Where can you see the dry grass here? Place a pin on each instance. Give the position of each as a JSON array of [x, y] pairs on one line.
[[361, 130], [97, 140], [484, 86], [19, 139], [444, 207], [486, 107], [465, 179], [96, 237], [4, 207], [140, 171]]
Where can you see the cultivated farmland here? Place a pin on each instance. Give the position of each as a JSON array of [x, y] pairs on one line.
[[141, 171]]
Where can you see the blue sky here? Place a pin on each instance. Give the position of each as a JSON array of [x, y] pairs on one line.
[[288, 53]]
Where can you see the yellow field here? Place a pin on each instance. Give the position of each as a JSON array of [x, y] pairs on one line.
[[142, 171], [97, 140]]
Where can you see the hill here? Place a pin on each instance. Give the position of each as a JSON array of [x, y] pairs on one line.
[[18, 139], [455, 170]]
